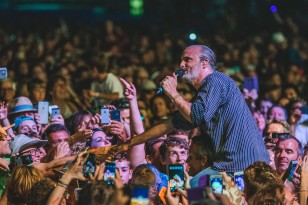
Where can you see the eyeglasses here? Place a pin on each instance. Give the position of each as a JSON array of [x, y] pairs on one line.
[[33, 152]]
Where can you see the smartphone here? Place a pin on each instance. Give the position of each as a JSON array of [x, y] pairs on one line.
[[43, 111], [105, 116], [140, 196], [3, 73], [115, 115], [216, 183], [89, 166], [20, 160], [110, 171], [55, 112], [239, 180], [176, 177], [290, 171]]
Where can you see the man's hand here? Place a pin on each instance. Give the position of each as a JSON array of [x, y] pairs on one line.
[[169, 84], [130, 92], [60, 150], [116, 128]]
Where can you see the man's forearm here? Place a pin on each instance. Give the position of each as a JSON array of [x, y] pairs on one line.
[[183, 106], [160, 129]]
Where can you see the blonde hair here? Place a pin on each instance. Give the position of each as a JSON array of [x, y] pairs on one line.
[[21, 182]]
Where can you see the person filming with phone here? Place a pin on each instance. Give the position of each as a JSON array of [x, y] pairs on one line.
[[218, 109]]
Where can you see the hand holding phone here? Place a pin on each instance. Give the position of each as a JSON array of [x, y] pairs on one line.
[[55, 112], [176, 177]]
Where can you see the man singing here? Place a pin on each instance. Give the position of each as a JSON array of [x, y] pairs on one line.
[[218, 109]]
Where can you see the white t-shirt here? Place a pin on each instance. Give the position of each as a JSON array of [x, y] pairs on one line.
[[112, 84]]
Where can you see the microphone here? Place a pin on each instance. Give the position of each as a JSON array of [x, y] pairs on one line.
[[179, 73]]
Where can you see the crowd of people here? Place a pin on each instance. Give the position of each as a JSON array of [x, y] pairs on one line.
[[245, 115]]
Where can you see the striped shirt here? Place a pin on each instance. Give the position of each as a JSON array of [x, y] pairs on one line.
[[221, 113]]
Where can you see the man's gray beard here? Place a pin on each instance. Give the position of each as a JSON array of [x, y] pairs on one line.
[[189, 80]]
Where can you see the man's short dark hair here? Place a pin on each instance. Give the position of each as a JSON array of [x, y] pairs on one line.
[[287, 136], [172, 142], [54, 128], [149, 146], [205, 148]]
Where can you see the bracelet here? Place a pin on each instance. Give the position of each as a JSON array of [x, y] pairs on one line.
[[62, 184], [175, 97]]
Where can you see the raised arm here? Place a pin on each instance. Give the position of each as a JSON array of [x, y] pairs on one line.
[[136, 154]]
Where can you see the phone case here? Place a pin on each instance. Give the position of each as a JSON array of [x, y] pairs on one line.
[[115, 115], [43, 111], [105, 116]]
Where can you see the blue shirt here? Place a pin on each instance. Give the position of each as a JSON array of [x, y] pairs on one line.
[[220, 111]]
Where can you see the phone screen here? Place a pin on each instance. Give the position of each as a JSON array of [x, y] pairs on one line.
[[216, 183], [89, 166], [115, 115], [140, 196], [176, 177], [43, 111], [55, 112], [105, 116], [251, 83], [3, 73], [110, 170], [239, 180]]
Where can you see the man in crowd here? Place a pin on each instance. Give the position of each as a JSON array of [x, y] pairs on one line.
[[201, 156], [106, 87], [173, 150], [218, 109]]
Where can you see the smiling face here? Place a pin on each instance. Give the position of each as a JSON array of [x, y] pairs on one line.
[[286, 151], [27, 127]]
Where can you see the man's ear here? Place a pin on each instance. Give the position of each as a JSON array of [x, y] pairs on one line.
[[204, 161], [204, 63]]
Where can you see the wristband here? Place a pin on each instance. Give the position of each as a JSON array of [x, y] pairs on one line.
[[62, 184]]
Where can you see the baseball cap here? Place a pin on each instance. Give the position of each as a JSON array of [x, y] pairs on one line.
[[22, 142]]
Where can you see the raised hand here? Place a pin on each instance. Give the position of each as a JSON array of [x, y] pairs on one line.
[[130, 92]]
